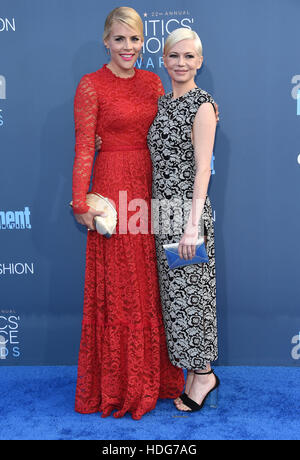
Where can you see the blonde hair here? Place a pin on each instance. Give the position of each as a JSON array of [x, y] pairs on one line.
[[125, 15], [183, 34]]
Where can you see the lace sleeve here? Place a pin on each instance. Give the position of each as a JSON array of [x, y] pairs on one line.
[[160, 90], [85, 115]]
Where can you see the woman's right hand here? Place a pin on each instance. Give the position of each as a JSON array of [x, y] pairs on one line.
[[98, 143], [87, 218]]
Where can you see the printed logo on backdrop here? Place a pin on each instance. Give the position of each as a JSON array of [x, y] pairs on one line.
[[15, 220], [16, 268], [295, 353], [157, 26], [2, 97], [296, 95], [2, 87], [7, 25], [9, 334], [296, 89]]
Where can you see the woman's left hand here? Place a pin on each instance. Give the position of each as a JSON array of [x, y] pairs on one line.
[[98, 143], [187, 244]]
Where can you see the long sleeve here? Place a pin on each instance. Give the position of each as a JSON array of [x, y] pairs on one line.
[[160, 88], [85, 115]]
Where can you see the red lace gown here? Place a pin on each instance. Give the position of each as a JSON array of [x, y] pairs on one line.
[[123, 359]]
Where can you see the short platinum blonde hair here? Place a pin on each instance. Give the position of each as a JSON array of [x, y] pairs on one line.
[[183, 34], [125, 15]]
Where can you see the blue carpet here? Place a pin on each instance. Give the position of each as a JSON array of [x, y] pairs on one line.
[[255, 403]]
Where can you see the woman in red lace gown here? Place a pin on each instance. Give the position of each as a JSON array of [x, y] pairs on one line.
[[123, 359]]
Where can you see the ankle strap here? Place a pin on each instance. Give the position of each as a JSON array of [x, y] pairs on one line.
[[204, 373]]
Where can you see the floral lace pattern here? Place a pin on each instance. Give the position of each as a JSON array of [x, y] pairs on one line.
[[188, 293], [123, 359]]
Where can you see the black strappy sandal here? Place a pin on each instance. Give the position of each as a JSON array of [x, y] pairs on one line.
[[183, 396], [192, 404]]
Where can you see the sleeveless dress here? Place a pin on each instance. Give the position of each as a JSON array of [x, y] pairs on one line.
[[123, 360], [188, 293]]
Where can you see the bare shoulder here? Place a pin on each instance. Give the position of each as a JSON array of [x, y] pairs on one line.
[[205, 113]]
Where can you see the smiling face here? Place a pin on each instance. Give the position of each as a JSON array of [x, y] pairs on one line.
[[182, 61], [125, 45]]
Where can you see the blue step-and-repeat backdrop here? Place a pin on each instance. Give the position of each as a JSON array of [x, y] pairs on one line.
[[251, 67]]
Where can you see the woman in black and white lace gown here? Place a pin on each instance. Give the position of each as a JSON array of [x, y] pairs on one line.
[[181, 141]]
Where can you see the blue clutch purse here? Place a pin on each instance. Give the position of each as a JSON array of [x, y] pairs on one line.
[[174, 261]]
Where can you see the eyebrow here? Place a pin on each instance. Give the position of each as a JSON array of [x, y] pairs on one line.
[[123, 36], [185, 52]]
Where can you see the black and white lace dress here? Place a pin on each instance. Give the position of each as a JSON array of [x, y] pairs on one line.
[[188, 294]]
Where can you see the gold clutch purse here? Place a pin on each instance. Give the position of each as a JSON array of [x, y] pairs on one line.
[[104, 225]]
